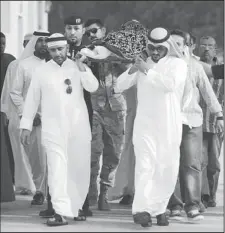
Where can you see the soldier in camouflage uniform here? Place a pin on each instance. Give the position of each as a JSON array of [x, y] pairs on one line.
[[109, 114]]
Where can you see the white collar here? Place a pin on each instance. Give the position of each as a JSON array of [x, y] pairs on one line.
[[63, 64]]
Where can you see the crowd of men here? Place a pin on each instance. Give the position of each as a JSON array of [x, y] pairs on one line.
[[163, 112]]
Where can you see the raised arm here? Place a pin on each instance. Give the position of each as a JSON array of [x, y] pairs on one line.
[[207, 91], [168, 81], [31, 104], [125, 81], [88, 80]]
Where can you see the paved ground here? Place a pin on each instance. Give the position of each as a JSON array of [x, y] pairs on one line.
[[19, 216]]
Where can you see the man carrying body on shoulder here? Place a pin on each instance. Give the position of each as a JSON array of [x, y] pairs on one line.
[[109, 115], [58, 86], [74, 31]]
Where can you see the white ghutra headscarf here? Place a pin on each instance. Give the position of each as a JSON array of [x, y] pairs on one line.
[[30, 48], [161, 36]]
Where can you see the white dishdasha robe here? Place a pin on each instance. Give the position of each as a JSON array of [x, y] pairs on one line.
[[157, 131], [66, 133]]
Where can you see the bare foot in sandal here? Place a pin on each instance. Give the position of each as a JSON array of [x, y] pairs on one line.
[[57, 220]]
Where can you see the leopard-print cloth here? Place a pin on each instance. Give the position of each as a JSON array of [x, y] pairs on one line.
[[129, 41]]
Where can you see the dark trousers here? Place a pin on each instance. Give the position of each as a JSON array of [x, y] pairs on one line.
[[10, 153], [210, 165], [188, 187]]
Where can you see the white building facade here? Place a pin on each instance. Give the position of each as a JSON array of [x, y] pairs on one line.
[[19, 18]]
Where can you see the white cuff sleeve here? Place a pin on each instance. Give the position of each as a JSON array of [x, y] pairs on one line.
[[26, 123]]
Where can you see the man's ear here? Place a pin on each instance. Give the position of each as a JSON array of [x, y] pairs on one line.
[[103, 30], [194, 46], [83, 30]]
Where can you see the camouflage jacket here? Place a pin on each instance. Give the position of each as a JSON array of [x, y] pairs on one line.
[[107, 74]]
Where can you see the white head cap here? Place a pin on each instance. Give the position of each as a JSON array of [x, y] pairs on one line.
[[28, 36], [55, 40], [30, 48]]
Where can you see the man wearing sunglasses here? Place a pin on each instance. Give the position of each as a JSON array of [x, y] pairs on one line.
[[74, 31], [160, 81], [109, 113], [66, 132]]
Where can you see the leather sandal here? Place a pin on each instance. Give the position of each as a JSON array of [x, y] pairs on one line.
[[57, 220]]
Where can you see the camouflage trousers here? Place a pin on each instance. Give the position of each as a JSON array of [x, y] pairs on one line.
[[108, 139]]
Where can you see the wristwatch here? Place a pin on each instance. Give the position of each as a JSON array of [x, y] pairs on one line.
[[146, 72], [219, 118]]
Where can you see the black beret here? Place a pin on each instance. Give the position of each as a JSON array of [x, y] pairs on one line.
[[73, 20]]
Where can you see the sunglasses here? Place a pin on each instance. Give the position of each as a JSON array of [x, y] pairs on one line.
[[93, 31], [69, 88], [153, 48]]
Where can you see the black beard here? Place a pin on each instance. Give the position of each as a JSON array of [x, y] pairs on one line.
[[41, 55], [74, 43]]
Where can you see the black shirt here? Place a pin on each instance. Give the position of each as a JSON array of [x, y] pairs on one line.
[[6, 59], [218, 71]]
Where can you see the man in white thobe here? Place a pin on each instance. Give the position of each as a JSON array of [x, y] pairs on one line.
[[23, 176], [158, 125], [66, 133], [34, 54]]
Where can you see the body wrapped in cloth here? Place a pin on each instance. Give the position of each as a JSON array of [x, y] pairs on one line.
[[121, 45]]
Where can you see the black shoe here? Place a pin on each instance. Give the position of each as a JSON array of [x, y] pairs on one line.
[[162, 220], [88, 212], [57, 220], [103, 203], [47, 213], [211, 203], [81, 216], [205, 200], [127, 200], [143, 218], [38, 199]]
